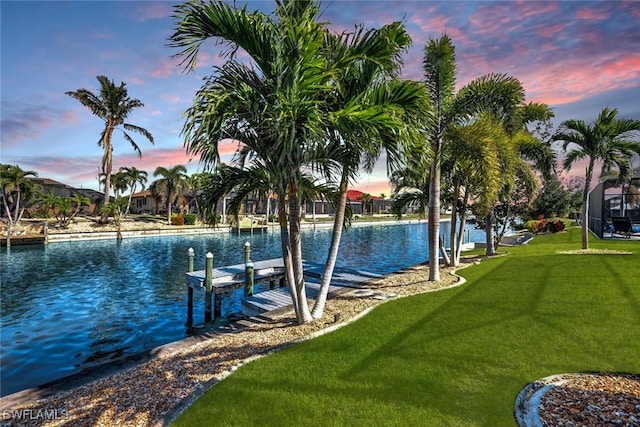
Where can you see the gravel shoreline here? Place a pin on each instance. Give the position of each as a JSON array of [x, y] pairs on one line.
[[155, 392]]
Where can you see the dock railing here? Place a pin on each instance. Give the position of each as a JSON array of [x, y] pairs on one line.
[[217, 281]]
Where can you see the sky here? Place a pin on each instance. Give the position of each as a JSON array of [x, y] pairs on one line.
[[576, 56]]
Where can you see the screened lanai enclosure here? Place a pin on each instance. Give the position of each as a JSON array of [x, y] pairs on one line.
[[610, 199]]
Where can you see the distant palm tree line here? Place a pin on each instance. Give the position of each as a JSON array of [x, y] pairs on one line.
[[313, 108]]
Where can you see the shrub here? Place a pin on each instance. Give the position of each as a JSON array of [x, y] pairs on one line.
[[556, 226], [177, 219], [189, 219], [542, 225]]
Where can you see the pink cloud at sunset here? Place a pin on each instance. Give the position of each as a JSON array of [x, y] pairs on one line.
[[164, 69], [153, 10], [588, 14], [569, 82], [549, 31], [527, 9]]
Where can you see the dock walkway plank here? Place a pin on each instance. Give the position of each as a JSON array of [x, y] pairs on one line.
[[232, 277], [279, 299]]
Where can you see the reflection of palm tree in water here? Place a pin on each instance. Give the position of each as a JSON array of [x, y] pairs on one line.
[[108, 329]]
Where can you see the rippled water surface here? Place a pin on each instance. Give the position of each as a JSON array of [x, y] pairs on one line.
[[68, 306]]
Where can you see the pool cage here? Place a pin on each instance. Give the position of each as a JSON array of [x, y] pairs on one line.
[[610, 199]]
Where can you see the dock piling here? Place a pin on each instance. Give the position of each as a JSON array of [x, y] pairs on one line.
[[189, 323], [248, 271], [208, 282]]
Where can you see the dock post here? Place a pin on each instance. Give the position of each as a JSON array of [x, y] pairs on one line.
[[248, 271], [217, 306], [208, 283], [190, 293]]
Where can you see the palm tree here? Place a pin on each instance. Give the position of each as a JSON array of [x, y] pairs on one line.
[[195, 183], [15, 183], [133, 177], [607, 140], [373, 111], [113, 106], [64, 209], [115, 209], [526, 152], [366, 199], [410, 184], [519, 155], [173, 183], [473, 170], [119, 183], [448, 108], [272, 106]]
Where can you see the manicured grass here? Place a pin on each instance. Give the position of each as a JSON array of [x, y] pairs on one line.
[[453, 357]]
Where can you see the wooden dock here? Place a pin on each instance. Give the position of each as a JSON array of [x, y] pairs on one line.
[[232, 277]]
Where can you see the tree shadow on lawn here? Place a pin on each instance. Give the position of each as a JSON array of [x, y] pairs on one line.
[[518, 326]]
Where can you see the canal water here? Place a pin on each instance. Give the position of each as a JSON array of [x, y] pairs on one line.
[[68, 306]]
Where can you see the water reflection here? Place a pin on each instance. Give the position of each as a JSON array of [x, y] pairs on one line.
[[67, 306]]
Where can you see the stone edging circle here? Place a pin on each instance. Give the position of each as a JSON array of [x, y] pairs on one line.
[[528, 401]]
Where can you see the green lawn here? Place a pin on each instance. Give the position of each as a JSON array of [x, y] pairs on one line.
[[453, 357]]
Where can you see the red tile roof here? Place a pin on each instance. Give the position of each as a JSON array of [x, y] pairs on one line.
[[356, 196]]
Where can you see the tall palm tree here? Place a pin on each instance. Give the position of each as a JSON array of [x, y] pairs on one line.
[[15, 183], [473, 169], [523, 153], [272, 106], [373, 111], [133, 177], [173, 184], [113, 105], [448, 108], [607, 140]]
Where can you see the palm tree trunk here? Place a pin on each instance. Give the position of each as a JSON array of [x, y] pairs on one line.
[[488, 231], [107, 187], [106, 170], [443, 252], [460, 235], [433, 226], [133, 188], [459, 240], [6, 208], [585, 205], [454, 225], [285, 243], [332, 257], [17, 209], [303, 314], [169, 207]]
